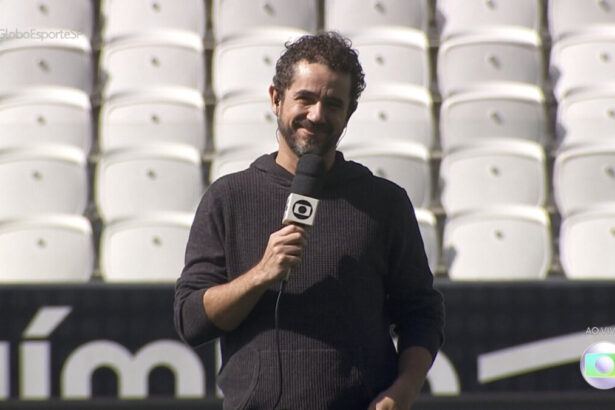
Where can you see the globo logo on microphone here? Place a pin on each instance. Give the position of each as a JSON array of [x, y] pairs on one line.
[[300, 209]]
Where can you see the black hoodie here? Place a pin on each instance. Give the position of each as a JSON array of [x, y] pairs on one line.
[[363, 270]]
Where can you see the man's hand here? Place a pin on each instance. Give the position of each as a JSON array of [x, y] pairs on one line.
[[283, 252], [396, 397]]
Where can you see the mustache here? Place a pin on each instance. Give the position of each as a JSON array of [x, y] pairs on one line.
[[312, 126]]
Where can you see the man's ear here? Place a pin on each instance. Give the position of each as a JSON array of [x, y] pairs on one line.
[[275, 100]]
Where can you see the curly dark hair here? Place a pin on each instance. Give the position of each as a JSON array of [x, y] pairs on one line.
[[328, 48]]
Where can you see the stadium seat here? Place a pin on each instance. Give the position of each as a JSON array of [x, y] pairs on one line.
[[153, 115], [399, 111], [235, 160], [495, 173], [35, 61], [258, 52], [587, 240], [350, 16], [582, 61], [584, 176], [568, 16], [169, 58], [244, 121], [132, 181], [62, 16], [505, 243], [483, 58], [587, 117], [148, 248], [509, 111], [42, 179], [456, 17], [405, 163], [394, 55], [46, 115], [428, 226], [46, 248], [122, 18], [239, 18]]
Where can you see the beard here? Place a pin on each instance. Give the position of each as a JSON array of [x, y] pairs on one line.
[[312, 144]]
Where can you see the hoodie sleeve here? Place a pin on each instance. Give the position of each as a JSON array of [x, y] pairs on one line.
[[205, 267], [415, 307]]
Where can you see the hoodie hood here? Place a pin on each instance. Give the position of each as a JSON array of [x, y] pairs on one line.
[[342, 172]]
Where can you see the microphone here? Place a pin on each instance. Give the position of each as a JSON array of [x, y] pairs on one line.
[[305, 190]]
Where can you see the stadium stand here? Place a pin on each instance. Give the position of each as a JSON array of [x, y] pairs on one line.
[[42, 179], [150, 178], [486, 244], [496, 173], [498, 111], [34, 249], [153, 115], [240, 18], [123, 19], [586, 243], [144, 249], [475, 73], [350, 16], [46, 115]]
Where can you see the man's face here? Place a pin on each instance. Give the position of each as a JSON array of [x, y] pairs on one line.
[[314, 110]]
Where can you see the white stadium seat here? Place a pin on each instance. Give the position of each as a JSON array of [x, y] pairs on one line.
[[56, 15], [65, 62], [247, 64], [42, 179], [584, 176], [510, 110], [587, 240], [403, 162], [237, 18], [394, 55], [497, 173], [498, 244], [149, 248], [122, 18], [46, 115], [132, 181], [428, 227], [456, 17], [169, 58], [396, 111], [568, 16], [244, 121], [46, 248], [349, 16], [583, 61], [587, 117], [235, 160], [153, 115], [483, 58]]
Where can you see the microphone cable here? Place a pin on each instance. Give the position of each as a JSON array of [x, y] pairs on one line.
[[276, 318]]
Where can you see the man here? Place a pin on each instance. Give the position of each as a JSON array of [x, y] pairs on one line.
[[360, 269]]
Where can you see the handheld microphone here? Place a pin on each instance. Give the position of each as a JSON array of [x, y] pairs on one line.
[[305, 190]]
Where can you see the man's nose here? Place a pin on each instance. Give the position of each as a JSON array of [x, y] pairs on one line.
[[316, 113]]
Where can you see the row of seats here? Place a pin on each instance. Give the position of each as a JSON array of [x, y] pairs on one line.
[[152, 80]]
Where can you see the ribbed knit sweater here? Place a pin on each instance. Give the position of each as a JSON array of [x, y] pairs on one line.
[[364, 269]]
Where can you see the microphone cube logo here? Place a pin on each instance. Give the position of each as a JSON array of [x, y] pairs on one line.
[[598, 365], [302, 209]]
